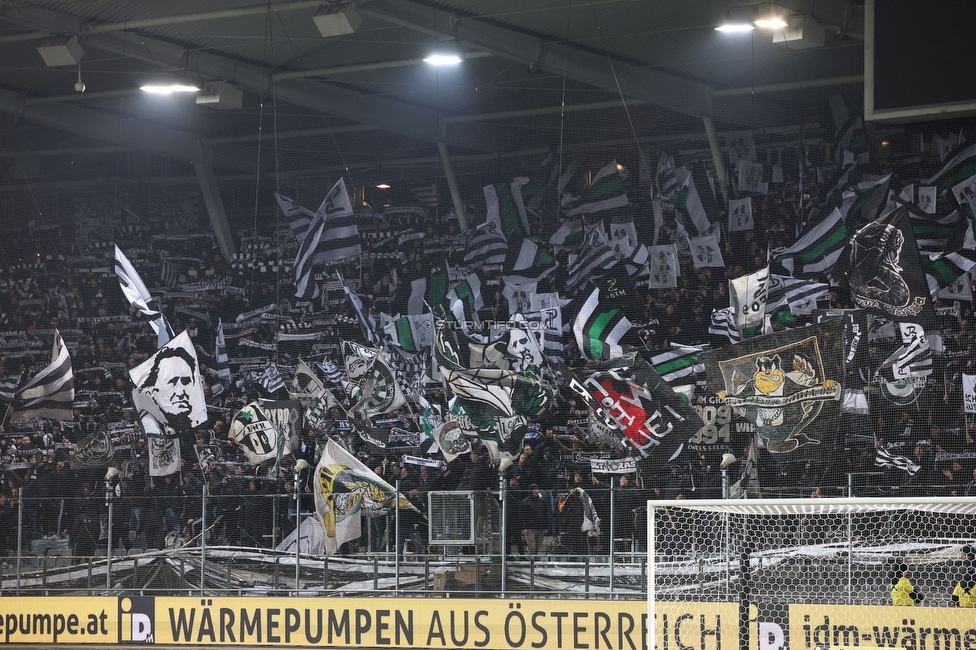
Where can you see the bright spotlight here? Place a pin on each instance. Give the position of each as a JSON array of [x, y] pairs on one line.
[[734, 27], [168, 89], [443, 59], [771, 23], [383, 186]]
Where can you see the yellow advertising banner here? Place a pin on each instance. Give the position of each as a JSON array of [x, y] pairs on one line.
[[702, 626], [917, 628], [403, 623], [54, 620]]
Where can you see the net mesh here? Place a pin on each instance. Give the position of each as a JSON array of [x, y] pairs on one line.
[[767, 557]]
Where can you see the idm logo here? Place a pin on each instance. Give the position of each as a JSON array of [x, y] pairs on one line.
[[136, 619]]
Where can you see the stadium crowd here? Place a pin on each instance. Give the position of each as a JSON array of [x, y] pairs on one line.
[[52, 279]]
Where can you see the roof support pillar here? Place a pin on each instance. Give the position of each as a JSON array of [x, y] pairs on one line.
[[215, 206], [451, 180]]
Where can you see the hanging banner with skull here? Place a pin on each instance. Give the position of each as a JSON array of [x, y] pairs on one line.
[[884, 271], [788, 384]]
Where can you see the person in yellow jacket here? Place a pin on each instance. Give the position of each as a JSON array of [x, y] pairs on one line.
[[902, 591], [964, 595]]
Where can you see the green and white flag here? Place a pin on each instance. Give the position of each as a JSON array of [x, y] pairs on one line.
[[605, 192], [465, 299], [601, 322], [504, 206], [816, 251], [677, 363], [412, 333], [866, 203], [431, 291]]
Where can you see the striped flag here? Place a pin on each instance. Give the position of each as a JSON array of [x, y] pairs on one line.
[[222, 366], [503, 202], [135, 291], [531, 264], [723, 324], [427, 196], [432, 291], [486, 245], [677, 363], [51, 393], [884, 458], [799, 295], [332, 371], [412, 333], [271, 379], [168, 273], [689, 203], [366, 321], [866, 203], [605, 192], [332, 235], [8, 386], [595, 256], [956, 257], [666, 181], [959, 168], [465, 299], [816, 251], [600, 324]]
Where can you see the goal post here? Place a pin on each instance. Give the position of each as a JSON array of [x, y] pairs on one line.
[[803, 573]]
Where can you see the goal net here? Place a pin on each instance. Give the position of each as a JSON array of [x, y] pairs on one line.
[[808, 573]]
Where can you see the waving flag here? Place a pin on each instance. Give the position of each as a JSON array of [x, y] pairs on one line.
[[255, 433], [503, 202], [601, 322], [627, 395], [51, 392], [486, 245], [594, 258], [345, 490], [332, 235], [884, 272], [817, 249], [168, 385], [604, 193], [222, 366], [138, 295]]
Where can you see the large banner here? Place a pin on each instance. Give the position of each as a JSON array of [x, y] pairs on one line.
[[492, 624], [488, 623]]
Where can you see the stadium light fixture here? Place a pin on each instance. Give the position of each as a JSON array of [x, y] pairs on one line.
[[732, 27], [771, 22], [168, 88], [443, 59], [167, 84], [383, 186]]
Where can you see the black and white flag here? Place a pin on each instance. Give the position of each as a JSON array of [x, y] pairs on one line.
[[138, 295], [332, 235], [51, 392], [168, 385]]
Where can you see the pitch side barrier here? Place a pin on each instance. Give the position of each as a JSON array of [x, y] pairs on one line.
[[325, 622], [470, 623]]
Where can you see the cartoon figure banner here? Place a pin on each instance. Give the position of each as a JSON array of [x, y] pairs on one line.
[[788, 384]]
